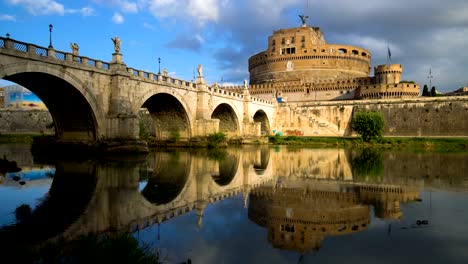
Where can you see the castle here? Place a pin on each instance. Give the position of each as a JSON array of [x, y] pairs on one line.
[[300, 66]]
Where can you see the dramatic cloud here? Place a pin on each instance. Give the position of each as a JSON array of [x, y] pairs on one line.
[[117, 18], [194, 11], [4, 17], [187, 42], [421, 34], [40, 7]]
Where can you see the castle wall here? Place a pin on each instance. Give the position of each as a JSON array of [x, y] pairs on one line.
[[416, 117]]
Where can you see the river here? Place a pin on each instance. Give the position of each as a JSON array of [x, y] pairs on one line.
[[252, 204]]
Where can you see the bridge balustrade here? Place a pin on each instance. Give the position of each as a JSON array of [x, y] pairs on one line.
[[45, 52]]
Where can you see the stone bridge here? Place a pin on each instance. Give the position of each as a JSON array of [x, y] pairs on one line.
[[92, 100]]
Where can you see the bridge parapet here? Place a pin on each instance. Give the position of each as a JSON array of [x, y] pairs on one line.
[[42, 52], [161, 79], [225, 92]]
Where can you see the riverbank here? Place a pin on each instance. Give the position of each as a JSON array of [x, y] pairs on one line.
[[427, 143], [437, 144]]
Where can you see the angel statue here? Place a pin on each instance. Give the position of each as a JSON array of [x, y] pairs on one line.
[[303, 19], [74, 48], [116, 41]]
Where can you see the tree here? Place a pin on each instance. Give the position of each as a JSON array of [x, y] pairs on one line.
[[426, 91], [433, 91], [370, 125]]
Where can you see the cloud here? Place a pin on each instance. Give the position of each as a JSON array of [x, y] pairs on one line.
[[5, 17], [187, 42], [85, 11], [148, 26], [117, 18], [129, 7], [195, 11], [40, 7]]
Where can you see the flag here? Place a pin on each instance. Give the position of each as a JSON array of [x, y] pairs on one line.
[[389, 54]]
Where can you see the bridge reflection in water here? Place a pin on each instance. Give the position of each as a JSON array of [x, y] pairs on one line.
[[299, 199]]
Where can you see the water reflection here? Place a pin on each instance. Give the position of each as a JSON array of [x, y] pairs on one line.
[[299, 196], [299, 213]]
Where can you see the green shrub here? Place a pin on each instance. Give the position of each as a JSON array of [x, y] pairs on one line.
[[215, 139], [370, 125]]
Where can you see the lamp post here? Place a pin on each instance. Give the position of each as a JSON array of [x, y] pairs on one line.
[[50, 36], [159, 65]]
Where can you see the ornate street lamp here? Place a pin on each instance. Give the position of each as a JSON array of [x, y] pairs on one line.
[[159, 65], [50, 36]]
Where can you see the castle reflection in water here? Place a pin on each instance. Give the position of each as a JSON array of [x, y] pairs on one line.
[[300, 196]]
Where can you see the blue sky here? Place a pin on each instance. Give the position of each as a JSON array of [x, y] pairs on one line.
[[221, 35]]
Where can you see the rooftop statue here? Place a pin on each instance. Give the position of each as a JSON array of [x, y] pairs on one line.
[[303, 19]]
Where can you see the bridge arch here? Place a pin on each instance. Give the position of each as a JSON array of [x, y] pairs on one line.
[[71, 103], [170, 116], [262, 117], [228, 120]]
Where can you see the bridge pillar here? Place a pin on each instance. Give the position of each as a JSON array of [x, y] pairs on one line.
[[204, 125], [249, 127], [122, 122]]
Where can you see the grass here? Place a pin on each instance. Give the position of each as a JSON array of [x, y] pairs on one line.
[[433, 144], [17, 138]]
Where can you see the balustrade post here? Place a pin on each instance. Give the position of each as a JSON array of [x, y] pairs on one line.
[[51, 53], [9, 43], [68, 57], [31, 49]]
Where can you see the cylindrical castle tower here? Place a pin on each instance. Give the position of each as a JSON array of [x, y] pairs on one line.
[[302, 54], [388, 74]]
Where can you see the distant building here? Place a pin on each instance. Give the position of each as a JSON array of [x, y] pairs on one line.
[[459, 92], [18, 97], [300, 66]]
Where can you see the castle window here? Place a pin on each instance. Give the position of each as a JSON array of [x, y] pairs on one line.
[[273, 42], [293, 39], [342, 51], [283, 41], [355, 52], [288, 51], [303, 39], [364, 54]]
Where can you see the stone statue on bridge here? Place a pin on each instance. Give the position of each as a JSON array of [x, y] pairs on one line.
[[116, 41], [74, 48], [200, 70]]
